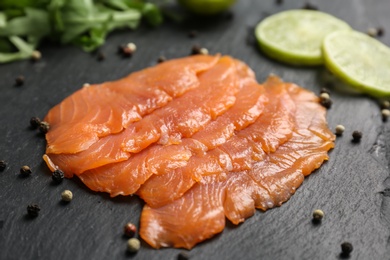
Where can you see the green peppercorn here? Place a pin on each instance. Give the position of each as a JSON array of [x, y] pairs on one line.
[[133, 245], [318, 215], [67, 196]]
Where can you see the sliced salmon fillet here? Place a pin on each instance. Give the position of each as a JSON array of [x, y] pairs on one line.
[[126, 177], [182, 117], [200, 213], [251, 144], [99, 110]]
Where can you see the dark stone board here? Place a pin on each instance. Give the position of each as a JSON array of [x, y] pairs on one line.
[[351, 188]]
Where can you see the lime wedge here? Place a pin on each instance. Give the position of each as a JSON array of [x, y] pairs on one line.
[[296, 36], [359, 60]]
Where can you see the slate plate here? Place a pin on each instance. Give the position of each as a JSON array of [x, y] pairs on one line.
[[352, 188]]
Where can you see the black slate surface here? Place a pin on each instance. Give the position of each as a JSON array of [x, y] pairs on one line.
[[352, 188]]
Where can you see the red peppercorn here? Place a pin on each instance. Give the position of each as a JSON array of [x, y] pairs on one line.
[[130, 230]]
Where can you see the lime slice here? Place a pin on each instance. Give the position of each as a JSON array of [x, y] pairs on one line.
[[206, 7], [296, 36], [359, 60]]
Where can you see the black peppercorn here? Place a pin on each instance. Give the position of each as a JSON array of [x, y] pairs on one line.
[[25, 170], [3, 165], [192, 34], [195, 49], [57, 176], [357, 135], [309, 6], [35, 122], [380, 31], [101, 56], [183, 256], [44, 127], [279, 2], [33, 210], [161, 59], [19, 81], [327, 103], [346, 248], [324, 90]]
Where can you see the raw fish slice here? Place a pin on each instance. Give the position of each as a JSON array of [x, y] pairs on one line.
[[218, 87], [188, 114], [269, 183], [237, 154], [99, 110], [126, 177]]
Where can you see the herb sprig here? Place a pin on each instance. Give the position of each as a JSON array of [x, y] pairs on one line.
[[85, 23]]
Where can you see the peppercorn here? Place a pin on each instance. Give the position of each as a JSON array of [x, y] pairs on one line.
[[327, 103], [380, 31], [346, 248], [339, 130], [279, 2], [161, 59], [35, 122], [19, 81], [57, 176], [193, 34], [128, 49], [373, 32], [36, 55], [3, 165], [385, 114], [130, 229], [25, 171], [309, 6], [183, 256], [385, 104], [44, 127], [67, 196], [324, 95], [324, 90], [203, 51], [101, 56], [133, 245], [33, 210], [357, 135], [195, 49], [318, 215]]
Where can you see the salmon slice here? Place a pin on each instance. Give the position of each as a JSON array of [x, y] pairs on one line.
[[126, 177], [183, 116], [251, 144], [188, 114], [200, 213], [99, 110]]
